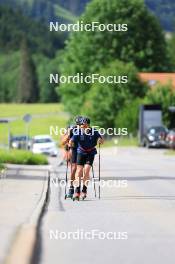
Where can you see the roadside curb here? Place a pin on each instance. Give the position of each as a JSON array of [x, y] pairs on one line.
[[24, 242]]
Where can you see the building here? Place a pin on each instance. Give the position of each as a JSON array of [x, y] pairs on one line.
[[152, 79]]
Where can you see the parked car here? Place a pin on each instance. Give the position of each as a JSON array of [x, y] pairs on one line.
[[155, 137], [170, 139], [19, 142], [44, 144]]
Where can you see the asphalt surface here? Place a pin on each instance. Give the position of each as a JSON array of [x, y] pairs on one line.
[[20, 192], [139, 211]]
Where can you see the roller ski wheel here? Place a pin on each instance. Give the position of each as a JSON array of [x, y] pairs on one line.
[[70, 193], [83, 196], [76, 197], [69, 196]]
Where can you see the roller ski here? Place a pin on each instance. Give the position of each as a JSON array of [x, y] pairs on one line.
[[76, 196], [83, 196], [84, 193], [70, 193]]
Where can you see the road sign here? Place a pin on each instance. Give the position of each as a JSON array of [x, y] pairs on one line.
[[27, 118]]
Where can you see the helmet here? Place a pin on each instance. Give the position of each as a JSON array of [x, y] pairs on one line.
[[86, 120], [78, 120]]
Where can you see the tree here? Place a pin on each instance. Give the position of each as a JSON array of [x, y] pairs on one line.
[[165, 96], [171, 46], [128, 116], [28, 91], [87, 52], [104, 102]]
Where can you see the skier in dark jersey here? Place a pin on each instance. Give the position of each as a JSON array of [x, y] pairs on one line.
[[86, 142], [71, 152]]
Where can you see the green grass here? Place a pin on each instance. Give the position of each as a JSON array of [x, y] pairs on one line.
[[18, 110], [41, 125], [121, 142], [1, 167], [170, 152], [22, 157]]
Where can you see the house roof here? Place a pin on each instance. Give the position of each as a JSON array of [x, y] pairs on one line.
[[158, 78]]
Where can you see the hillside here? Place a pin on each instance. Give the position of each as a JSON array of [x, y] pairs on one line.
[[76, 7], [165, 11], [44, 10], [14, 25], [68, 10], [13, 28]]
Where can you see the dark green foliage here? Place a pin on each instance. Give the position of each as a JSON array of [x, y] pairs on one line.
[[22, 157], [165, 11], [75, 6], [43, 46], [165, 96], [45, 67], [128, 116], [104, 102], [90, 52], [12, 27], [171, 48], [45, 9], [28, 91], [9, 72]]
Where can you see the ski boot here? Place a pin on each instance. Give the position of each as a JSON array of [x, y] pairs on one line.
[[70, 193], [76, 197], [83, 195]]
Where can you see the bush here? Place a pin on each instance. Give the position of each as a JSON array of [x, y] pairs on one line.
[[129, 117], [104, 102], [88, 52], [2, 167], [22, 157], [165, 96]]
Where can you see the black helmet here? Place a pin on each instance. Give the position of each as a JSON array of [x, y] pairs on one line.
[[78, 120], [86, 120]]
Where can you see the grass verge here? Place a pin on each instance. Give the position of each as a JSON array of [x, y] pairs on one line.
[[43, 116], [121, 142], [22, 157], [2, 167], [170, 152]]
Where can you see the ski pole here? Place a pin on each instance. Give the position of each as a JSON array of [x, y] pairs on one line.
[[99, 171], [67, 165], [94, 181]]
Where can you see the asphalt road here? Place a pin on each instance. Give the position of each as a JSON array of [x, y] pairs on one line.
[[138, 211], [21, 190]]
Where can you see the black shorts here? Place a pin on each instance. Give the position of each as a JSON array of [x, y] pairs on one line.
[[74, 156], [83, 159]]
